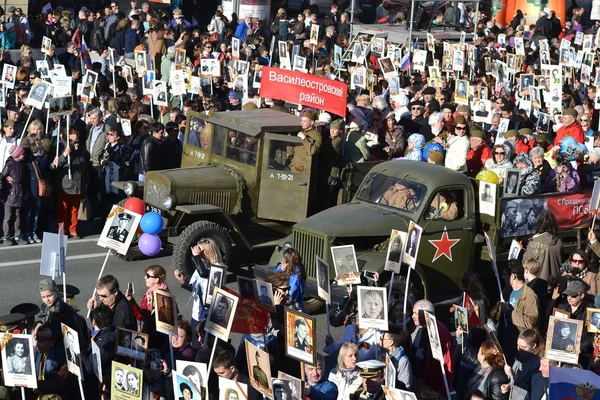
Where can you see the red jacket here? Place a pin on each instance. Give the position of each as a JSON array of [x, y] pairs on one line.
[[477, 158], [523, 147], [574, 130]]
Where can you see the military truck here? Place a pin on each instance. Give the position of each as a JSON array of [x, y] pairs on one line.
[[447, 248], [235, 185]]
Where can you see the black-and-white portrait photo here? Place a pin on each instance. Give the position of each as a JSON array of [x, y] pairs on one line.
[[221, 311], [72, 350], [346, 267], [132, 344], [434, 337], [246, 287], [543, 123], [221, 314], [264, 293], [121, 227], [372, 307], [412, 243], [564, 336], [512, 181], [593, 319], [282, 390], [215, 280], [519, 216], [487, 198], [323, 279], [300, 331], [18, 360]]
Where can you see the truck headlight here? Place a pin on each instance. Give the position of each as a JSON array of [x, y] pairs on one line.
[[169, 202], [129, 188]]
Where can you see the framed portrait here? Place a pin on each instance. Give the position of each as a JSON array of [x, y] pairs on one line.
[[196, 372], [141, 64], [494, 339], [378, 47], [119, 229], [184, 388], [502, 40], [345, 265], [487, 198], [131, 344], [259, 369], [18, 360], [112, 56], [562, 314], [9, 74], [358, 53], [526, 81], [246, 287], [232, 390], [323, 281], [519, 46], [60, 106], [337, 56], [390, 372], [165, 312], [148, 82], [482, 111], [221, 313], [543, 123], [393, 260], [419, 60], [461, 318], [72, 350], [358, 79], [411, 248], [42, 67], [512, 182], [482, 92], [299, 336], [295, 386], [159, 94], [514, 251], [446, 64], [372, 307], [314, 34], [46, 45], [37, 95], [458, 60], [126, 381], [563, 340], [593, 320], [263, 293], [434, 337], [462, 91], [89, 83], [128, 75], [387, 67], [216, 278], [299, 64], [257, 78], [430, 43], [398, 394]]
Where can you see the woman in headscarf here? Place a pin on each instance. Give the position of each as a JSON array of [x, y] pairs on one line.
[[414, 147], [392, 136], [500, 161], [530, 180], [562, 178]]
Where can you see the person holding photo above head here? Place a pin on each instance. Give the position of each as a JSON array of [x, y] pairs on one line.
[[372, 304], [426, 370], [489, 375], [524, 372], [292, 266], [204, 253]]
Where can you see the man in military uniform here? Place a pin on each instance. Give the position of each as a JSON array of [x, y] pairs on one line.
[[330, 161], [398, 196], [443, 206], [561, 339], [570, 127], [371, 372], [511, 219], [311, 142], [301, 336], [120, 232], [259, 375]]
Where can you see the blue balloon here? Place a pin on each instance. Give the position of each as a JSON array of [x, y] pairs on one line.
[[149, 245], [151, 223], [429, 147], [570, 150]]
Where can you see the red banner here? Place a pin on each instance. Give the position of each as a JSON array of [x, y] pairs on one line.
[[572, 211], [308, 90], [249, 316]]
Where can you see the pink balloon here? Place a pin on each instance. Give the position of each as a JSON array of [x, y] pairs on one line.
[[149, 245]]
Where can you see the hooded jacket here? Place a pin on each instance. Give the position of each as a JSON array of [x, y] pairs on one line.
[[500, 168], [418, 140], [530, 180], [547, 250]]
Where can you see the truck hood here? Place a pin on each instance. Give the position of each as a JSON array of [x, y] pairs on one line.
[[354, 219]]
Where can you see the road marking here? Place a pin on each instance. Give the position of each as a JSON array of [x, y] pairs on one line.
[[37, 261], [29, 246]]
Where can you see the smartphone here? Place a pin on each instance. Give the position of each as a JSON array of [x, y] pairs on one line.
[[130, 288], [369, 275]]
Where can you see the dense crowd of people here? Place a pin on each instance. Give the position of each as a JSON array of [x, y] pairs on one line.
[[518, 97]]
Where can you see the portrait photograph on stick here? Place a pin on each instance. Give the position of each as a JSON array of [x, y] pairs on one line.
[[127, 382], [259, 370], [372, 307], [232, 390], [196, 372], [300, 330], [70, 339], [323, 281], [263, 293], [216, 278], [131, 344], [18, 364], [563, 340], [346, 267], [119, 229], [165, 314], [221, 313], [396, 243], [411, 248], [184, 388]]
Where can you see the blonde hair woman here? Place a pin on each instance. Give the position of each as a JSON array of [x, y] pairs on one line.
[[346, 376], [35, 128], [204, 254]]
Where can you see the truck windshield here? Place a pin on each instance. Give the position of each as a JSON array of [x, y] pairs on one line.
[[200, 133], [392, 191]]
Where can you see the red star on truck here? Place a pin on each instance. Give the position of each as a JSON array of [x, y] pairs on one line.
[[443, 246]]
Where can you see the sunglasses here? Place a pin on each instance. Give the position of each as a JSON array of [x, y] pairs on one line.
[[103, 296], [148, 276], [577, 260], [416, 108], [460, 128], [499, 153]]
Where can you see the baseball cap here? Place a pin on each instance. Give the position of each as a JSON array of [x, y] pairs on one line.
[[575, 288]]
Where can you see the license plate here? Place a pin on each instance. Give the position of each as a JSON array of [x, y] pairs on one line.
[[154, 209]]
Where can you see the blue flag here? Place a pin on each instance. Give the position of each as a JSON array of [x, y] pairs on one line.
[[567, 383]]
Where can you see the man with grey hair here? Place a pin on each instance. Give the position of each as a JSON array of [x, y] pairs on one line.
[[329, 38], [379, 104], [241, 32], [425, 372], [166, 63]]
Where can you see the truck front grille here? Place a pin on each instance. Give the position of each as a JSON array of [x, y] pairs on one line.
[[218, 199], [309, 245]]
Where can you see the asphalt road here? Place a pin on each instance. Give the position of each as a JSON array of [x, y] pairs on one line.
[[20, 268]]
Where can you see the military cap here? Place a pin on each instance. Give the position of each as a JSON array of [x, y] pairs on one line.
[[125, 216], [47, 284], [338, 124], [542, 138], [575, 288], [10, 322], [370, 368], [511, 204], [10, 122], [464, 108], [510, 133], [310, 115], [570, 111], [435, 156], [459, 119], [525, 132], [417, 103], [429, 90], [27, 309], [478, 134], [72, 291]]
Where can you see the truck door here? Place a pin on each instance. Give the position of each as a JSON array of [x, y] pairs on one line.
[[447, 241], [284, 191]]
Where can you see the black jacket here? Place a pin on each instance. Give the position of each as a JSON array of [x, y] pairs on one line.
[[151, 155], [105, 340], [123, 315], [493, 383], [97, 37]]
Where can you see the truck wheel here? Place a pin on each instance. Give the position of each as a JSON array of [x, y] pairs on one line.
[[182, 254], [313, 304], [415, 289]]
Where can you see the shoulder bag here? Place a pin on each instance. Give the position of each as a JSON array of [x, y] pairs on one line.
[[44, 188]]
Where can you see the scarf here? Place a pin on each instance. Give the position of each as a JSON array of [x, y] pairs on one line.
[[148, 304], [349, 374]]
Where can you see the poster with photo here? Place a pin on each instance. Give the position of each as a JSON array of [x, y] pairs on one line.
[[387, 67], [112, 58], [148, 83], [390, 372], [411, 248], [89, 83], [487, 198], [39, 92], [519, 46], [18, 360], [446, 64], [337, 56], [131, 344], [593, 320], [458, 61], [299, 333], [119, 229], [563, 340], [97, 361], [9, 74], [127, 73], [434, 337], [177, 81], [259, 369], [393, 260], [42, 67], [257, 78], [511, 186], [210, 67], [216, 278], [221, 313], [419, 60], [2, 95], [62, 86], [125, 126], [323, 280], [372, 307], [294, 385], [141, 64], [358, 53], [185, 389], [160, 96], [358, 79], [165, 314], [235, 48], [543, 123], [58, 106], [232, 390], [345, 265], [72, 350], [526, 81], [263, 293], [461, 318], [246, 287], [514, 251], [46, 45], [483, 111], [462, 92], [126, 382], [397, 394], [378, 47], [196, 372], [314, 34], [300, 64]]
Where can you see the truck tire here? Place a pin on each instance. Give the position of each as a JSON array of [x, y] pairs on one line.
[[191, 235], [415, 289], [313, 304]]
